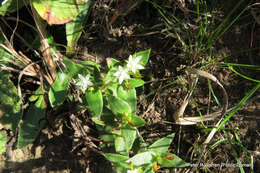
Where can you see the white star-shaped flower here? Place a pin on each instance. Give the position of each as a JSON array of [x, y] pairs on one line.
[[122, 74], [84, 82], [133, 65]]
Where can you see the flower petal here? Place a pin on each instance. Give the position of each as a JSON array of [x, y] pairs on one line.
[[138, 66], [81, 77], [90, 83]]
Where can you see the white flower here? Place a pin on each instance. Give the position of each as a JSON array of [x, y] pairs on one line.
[[122, 74], [133, 64], [84, 82], [133, 171]]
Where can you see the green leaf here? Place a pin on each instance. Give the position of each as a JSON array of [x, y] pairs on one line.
[[120, 145], [109, 76], [129, 96], [107, 133], [171, 160], [58, 11], [149, 169], [137, 121], [75, 27], [72, 68], [3, 141], [59, 89], [36, 95], [30, 126], [109, 118], [129, 135], [91, 63], [117, 105], [11, 6], [112, 88], [10, 103], [144, 158], [133, 83], [145, 56], [107, 137], [95, 101], [97, 121], [162, 145], [117, 159], [139, 145], [114, 158]]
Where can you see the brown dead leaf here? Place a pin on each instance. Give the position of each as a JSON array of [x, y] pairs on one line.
[[51, 17]]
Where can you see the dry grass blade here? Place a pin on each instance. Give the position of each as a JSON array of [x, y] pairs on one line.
[[20, 77], [31, 71], [47, 57], [254, 9], [18, 35], [9, 48], [12, 62], [178, 115], [29, 68]]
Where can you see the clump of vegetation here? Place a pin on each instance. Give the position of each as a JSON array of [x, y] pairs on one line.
[[108, 94]]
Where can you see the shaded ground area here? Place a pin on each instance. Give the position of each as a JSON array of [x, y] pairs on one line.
[[64, 149]]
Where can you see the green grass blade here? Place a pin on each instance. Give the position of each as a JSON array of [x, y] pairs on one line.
[[239, 143], [213, 93], [170, 22], [235, 154], [232, 22], [252, 67], [219, 28], [251, 92], [215, 145], [243, 76]]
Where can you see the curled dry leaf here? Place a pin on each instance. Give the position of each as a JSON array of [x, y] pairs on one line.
[[58, 11], [178, 115], [51, 17]]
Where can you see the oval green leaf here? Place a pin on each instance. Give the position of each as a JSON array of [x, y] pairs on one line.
[[133, 83], [59, 89], [171, 160], [137, 121], [117, 105], [120, 145], [10, 103], [129, 135], [75, 27], [72, 68], [144, 56], [95, 102], [30, 125], [115, 158], [162, 145], [144, 158], [58, 11], [129, 96]]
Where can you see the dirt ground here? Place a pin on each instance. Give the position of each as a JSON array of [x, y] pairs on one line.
[[61, 150]]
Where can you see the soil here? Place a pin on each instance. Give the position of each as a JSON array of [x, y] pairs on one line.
[[64, 149]]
